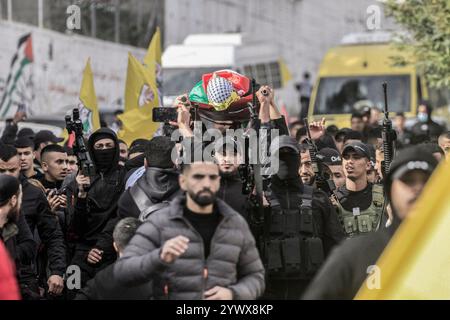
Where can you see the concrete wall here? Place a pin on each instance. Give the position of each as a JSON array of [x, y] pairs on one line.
[[55, 79]]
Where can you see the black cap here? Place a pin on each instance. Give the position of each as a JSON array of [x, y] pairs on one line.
[[44, 136], [25, 132], [9, 186], [409, 159], [329, 156], [284, 141], [342, 133], [358, 147]]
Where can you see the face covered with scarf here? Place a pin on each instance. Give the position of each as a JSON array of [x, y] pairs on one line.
[[104, 152], [289, 164]]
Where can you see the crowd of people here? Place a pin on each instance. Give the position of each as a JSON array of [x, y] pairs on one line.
[[147, 226]]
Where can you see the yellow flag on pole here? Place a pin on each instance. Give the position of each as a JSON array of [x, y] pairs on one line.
[[285, 74], [152, 61], [141, 96], [140, 87], [154, 49], [416, 263], [88, 102]]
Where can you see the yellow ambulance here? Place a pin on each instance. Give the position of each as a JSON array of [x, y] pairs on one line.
[[350, 78]]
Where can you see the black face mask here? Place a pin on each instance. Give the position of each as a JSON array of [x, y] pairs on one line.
[[136, 162], [104, 158], [289, 165]]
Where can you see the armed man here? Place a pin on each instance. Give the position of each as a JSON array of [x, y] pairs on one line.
[[346, 268], [359, 204], [231, 184], [300, 223], [96, 205]]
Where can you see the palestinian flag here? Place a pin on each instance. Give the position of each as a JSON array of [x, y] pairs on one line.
[[223, 95], [15, 90]]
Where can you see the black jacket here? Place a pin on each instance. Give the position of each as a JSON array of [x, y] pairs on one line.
[[423, 131], [93, 213], [104, 286], [288, 194], [157, 184], [344, 272], [39, 217], [9, 133], [20, 245], [231, 193]]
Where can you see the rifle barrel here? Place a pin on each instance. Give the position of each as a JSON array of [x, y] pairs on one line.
[[386, 110]]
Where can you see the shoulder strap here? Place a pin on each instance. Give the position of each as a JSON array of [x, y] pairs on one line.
[[378, 195], [307, 197], [148, 211], [140, 198]]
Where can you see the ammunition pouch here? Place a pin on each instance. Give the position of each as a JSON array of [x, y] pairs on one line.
[[293, 250], [365, 221]]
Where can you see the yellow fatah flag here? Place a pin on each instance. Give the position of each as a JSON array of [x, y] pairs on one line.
[[154, 49], [416, 263], [88, 102], [141, 96], [152, 61], [284, 72]]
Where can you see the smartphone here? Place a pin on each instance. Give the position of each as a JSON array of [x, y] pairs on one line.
[[164, 114], [61, 191]]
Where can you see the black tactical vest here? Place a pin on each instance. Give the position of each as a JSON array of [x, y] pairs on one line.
[[292, 248]]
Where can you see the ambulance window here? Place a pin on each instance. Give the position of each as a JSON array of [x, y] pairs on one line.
[[338, 95], [439, 97], [265, 73]]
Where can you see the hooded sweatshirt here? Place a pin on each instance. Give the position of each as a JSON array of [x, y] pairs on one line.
[[156, 183], [93, 213]]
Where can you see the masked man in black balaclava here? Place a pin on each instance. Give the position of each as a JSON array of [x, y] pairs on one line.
[[96, 205], [302, 227]]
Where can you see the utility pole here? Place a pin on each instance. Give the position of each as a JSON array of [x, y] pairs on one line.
[[93, 21], [9, 10], [117, 21], [41, 14]]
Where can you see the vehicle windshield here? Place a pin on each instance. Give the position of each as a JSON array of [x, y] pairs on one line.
[[179, 81], [338, 95]]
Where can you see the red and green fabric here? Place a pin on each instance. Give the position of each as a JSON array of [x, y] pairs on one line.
[[21, 59], [237, 111]]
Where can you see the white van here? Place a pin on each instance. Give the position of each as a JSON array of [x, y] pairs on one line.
[[184, 64]]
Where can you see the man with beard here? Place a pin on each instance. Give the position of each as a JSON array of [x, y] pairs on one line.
[[306, 170], [197, 248], [230, 183], [157, 186], [360, 204], [344, 272], [39, 218], [333, 164], [96, 205]]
